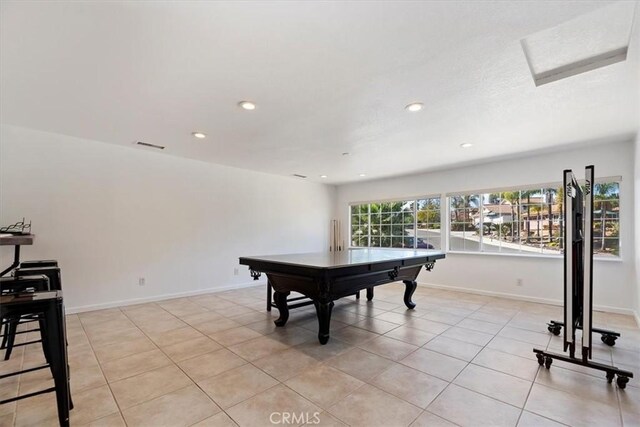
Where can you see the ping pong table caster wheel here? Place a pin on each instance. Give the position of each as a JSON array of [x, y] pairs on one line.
[[547, 362], [610, 376], [540, 359], [622, 382], [554, 329], [609, 340]]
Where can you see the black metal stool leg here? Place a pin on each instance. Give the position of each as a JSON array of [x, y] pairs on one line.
[[13, 328], [43, 337], [5, 333], [56, 344]]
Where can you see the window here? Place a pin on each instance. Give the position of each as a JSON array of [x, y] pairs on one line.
[[606, 218], [428, 223], [465, 223], [360, 225], [513, 221], [528, 221], [393, 224]]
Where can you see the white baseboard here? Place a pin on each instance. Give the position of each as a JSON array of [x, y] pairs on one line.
[[134, 301], [550, 301]]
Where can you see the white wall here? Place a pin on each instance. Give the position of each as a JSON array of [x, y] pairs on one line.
[[614, 282], [111, 214]]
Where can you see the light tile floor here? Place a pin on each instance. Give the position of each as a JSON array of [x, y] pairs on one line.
[[218, 360]]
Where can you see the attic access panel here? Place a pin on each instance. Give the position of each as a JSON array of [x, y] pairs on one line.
[[585, 43]]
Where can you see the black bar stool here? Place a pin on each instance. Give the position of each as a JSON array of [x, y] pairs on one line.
[[48, 268], [13, 285], [39, 263], [48, 304], [52, 272]]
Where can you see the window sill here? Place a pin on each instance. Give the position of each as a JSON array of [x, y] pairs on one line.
[[395, 249], [544, 256]]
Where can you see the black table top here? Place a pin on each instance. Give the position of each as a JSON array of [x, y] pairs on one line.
[[16, 239], [350, 257]]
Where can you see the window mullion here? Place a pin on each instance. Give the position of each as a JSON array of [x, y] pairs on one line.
[[444, 225], [415, 224], [481, 202], [369, 222]]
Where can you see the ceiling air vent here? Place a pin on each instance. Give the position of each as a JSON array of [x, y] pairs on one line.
[[146, 144], [297, 175]]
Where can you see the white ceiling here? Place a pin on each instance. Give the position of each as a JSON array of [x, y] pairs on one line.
[[328, 78]]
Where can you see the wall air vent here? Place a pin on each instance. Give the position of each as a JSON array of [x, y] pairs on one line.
[[585, 43], [297, 175], [146, 144]]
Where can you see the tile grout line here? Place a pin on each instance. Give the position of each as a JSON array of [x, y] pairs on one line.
[[353, 346], [453, 379], [470, 362], [528, 394], [505, 325], [113, 396], [177, 366], [14, 419], [356, 346], [248, 362], [420, 347]]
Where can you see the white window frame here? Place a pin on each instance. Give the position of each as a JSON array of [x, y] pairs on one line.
[[445, 219], [415, 218], [599, 257]]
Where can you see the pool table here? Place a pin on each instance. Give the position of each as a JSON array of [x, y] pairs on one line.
[[327, 276]]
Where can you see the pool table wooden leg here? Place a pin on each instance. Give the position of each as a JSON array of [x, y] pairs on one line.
[[369, 294], [323, 309], [269, 295], [281, 302], [410, 288]]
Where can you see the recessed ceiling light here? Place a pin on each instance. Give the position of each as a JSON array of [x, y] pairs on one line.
[[247, 105], [415, 106], [323, 176], [362, 174], [199, 135], [466, 145]]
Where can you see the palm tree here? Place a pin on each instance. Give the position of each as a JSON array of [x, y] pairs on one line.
[[458, 203], [513, 197], [536, 210], [528, 195], [551, 193], [560, 202]]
